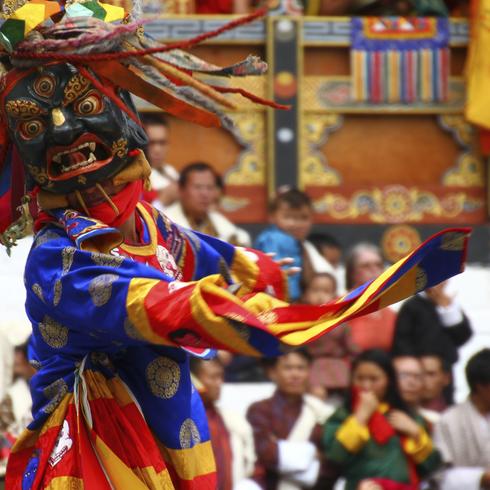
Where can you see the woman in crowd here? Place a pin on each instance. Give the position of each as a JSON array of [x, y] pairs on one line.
[[375, 437]]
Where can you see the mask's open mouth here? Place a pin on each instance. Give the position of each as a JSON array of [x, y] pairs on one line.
[[86, 154]]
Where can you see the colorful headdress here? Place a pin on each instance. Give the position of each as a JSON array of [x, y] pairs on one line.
[[105, 43]]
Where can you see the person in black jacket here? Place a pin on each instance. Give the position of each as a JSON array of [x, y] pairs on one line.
[[432, 323]]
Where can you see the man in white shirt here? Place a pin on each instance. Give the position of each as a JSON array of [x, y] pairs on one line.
[[198, 190], [463, 432]]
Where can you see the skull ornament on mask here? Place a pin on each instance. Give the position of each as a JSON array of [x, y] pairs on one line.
[[69, 135]]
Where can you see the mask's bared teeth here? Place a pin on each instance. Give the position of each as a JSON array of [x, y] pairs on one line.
[[92, 146]]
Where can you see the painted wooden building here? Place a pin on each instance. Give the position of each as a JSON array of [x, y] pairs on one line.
[[398, 168]]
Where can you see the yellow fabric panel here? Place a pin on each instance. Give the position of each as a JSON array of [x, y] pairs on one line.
[[120, 392], [244, 271], [352, 435], [300, 337], [123, 478], [262, 303], [400, 290], [135, 305], [419, 449], [64, 483], [192, 462], [57, 417], [218, 328]]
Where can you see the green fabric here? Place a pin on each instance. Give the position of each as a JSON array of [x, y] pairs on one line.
[[98, 11], [13, 30], [373, 460]]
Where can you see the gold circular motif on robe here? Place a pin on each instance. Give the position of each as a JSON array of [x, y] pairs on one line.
[[54, 393], [131, 331], [106, 260], [189, 434], [100, 288], [453, 242], [67, 255], [53, 333], [163, 377], [37, 290], [57, 292], [420, 279]]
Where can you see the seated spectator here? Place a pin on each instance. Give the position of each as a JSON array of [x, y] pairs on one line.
[[376, 437], [198, 188], [410, 376], [287, 429], [331, 251], [291, 217], [332, 353], [364, 262], [164, 177], [231, 435], [463, 433], [437, 377], [432, 322]]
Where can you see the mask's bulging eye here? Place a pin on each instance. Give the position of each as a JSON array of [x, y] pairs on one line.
[[45, 85], [92, 104], [30, 129]]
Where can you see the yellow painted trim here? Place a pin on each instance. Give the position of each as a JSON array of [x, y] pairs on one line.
[[352, 435], [271, 147], [419, 449], [138, 290], [150, 248], [192, 462]]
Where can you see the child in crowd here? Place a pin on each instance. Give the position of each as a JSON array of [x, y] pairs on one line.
[[332, 353], [291, 217], [331, 250]]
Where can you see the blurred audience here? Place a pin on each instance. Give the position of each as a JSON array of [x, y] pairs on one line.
[[198, 191], [376, 438], [437, 377], [463, 433], [6, 362], [287, 429], [231, 434], [433, 8], [15, 406], [432, 322], [164, 177], [411, 384], [291, 218], [364, 262], [332, 353], [331, 251]]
